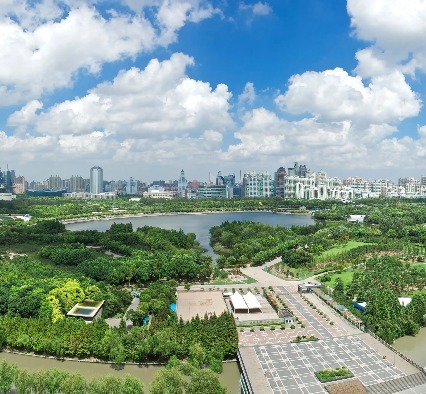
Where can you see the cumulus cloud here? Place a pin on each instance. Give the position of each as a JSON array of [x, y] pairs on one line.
[[44, 45], [265, 137], [159, 100], [248, 95], [336, 96], [396, 29]]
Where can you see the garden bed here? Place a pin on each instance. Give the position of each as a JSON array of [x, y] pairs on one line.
[[332, 374]]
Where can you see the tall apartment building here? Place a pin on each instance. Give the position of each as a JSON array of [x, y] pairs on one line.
[[96, 180], [257, 185], [20, 185], [54, 182], [76, 184]]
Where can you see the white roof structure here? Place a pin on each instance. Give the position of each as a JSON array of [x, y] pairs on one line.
[[237, 301], [404, 301], [251, 301]]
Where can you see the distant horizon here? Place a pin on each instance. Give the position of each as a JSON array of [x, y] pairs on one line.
[[190, 179]]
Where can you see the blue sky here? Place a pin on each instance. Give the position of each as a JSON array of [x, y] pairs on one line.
[[147, 87]]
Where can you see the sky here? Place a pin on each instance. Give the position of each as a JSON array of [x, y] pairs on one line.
[[145, 88]]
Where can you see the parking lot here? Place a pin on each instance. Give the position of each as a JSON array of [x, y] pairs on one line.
[[289, 368]]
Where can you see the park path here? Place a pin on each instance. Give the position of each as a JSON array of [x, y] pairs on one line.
[[265, 278], [114, 322]]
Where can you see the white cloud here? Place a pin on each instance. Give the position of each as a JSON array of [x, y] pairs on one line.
[[336, 96], [344, 146], [396, 29], [159, 100], [248, 95], [258, 8], [45, 45]]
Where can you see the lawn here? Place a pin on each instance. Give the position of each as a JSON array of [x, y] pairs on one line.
[[342, 248], [346, 277]]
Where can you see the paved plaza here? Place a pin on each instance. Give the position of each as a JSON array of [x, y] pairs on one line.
[[290, 368], [191, 303]]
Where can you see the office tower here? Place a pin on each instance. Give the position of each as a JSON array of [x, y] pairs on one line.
[[96, 180], [182, 184], [132, 186], [279, 182]]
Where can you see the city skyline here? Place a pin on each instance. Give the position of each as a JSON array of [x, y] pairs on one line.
[[157, 86]]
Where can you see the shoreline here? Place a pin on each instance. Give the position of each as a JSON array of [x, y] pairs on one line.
[[140, 215], [91, 360]]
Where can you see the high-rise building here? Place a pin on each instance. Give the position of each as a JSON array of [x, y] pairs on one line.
[[182, 184], [96, 180], [132, 186], [279, 182], [54, 182], [76, 184], [20, 185]]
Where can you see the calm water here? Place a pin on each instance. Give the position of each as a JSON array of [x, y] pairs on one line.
[[198, 223], [228, 378], [413, 347]]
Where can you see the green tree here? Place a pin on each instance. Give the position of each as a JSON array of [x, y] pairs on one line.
[[23, 381], [7, 374], [73, 384], [168, 381], [205, 381], [132, 385]]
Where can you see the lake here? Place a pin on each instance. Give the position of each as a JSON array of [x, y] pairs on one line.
[[198, 224]]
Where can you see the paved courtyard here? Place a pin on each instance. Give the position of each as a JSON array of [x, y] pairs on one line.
[[290, 368]]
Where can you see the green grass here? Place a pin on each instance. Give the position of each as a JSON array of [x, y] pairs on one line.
[[346, 277], [342, 248], [329, 375]]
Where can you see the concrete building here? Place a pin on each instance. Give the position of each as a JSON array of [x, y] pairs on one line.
[[212, 191], [76, 184], [20, 185], [257, 185], [132, 186], [279, 182], [85, 195], [182, 184], [96, 180], [54, 182], [159, 192]]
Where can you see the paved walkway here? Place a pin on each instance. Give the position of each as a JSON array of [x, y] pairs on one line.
[[114, 322]]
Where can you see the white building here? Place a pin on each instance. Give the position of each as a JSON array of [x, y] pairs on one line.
[[258, 185]]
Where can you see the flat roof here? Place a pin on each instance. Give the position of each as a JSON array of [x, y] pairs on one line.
[[86, 308]]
